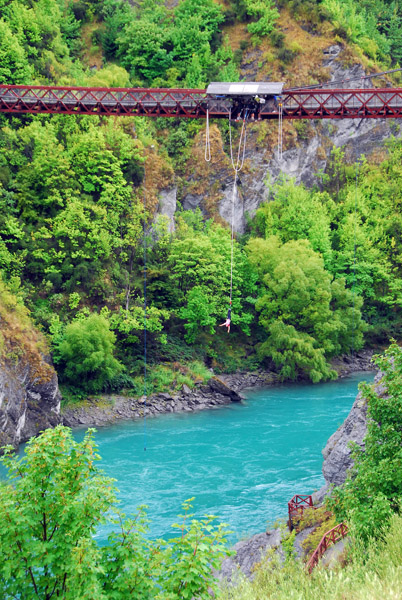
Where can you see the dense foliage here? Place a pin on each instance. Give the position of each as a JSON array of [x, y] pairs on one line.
[[315, 270], [55, 501], [374, 25]]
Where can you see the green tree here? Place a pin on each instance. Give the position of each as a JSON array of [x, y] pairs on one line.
[[267, 14], [303, 328], [86, 353], [198, 312], [51, 509], [297, 213], [43, 30], [14, 66], [200, 257], [143, 46], [182, 44], [53, 503]]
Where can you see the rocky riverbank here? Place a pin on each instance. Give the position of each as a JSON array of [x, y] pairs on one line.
[[219, 390], [106, 410]]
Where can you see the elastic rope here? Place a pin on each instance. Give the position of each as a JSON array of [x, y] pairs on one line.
[[242, 145], [145, 312], [241, 151], [232, 239], [207, 140], [280, 131], [354, 263]]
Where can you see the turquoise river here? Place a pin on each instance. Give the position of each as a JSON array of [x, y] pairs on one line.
[[241, 462]]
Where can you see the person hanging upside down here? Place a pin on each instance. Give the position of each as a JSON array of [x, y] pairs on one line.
[[227, 322]]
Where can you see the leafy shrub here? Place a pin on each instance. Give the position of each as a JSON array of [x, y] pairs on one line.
[[266, 13], [277, 38], [14, 65], [86, 353], [51, 508], [311, 542], [119, 382], [286, 55]]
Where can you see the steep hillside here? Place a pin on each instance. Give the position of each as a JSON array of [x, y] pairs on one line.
[[305, 49], [85, 200]]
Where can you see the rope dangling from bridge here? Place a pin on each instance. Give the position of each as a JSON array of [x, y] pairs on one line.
[[237, 165], [242, 145], [145, 306], [207, 140], [234, 194], [280, 129]]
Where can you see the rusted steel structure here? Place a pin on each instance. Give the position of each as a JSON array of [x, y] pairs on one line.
[[331, 537], [296, 506], [366, 103]]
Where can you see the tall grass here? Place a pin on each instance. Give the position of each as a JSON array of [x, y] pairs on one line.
[[373, 573], [171, 377]]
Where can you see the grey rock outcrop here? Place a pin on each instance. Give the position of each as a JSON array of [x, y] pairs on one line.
[[29, 400], [217, 385], [248, 554], [167, 205], [337, 452]]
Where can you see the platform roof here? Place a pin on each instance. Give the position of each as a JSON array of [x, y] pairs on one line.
[[246, 88]]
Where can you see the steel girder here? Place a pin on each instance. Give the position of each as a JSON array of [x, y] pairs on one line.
[[296, 104]]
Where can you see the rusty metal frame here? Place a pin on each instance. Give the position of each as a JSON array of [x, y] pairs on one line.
[[154, 102], [185, 103], [296, 507], [383, 103], [331, 537]]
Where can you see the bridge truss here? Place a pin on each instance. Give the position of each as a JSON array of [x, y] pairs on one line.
[[367, 103]]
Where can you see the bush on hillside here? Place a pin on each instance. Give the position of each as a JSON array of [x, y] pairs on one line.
[[86, 353]]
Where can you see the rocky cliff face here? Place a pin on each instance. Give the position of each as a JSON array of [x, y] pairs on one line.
[[29, 402], [337, 454], [307, 151], [29, 393]]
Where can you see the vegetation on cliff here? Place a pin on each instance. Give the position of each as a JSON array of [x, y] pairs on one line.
[[373, 571], [72, 192], [373, 489], [21, 344]]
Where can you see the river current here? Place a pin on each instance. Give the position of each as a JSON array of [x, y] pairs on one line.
[[241, 462]]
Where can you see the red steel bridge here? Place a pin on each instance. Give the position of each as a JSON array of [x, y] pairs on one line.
[[367, 103]]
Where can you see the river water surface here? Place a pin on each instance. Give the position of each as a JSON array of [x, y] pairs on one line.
[[241, 462]]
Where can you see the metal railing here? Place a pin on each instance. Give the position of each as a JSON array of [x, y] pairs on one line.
[[331, 537], [296, 506]]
